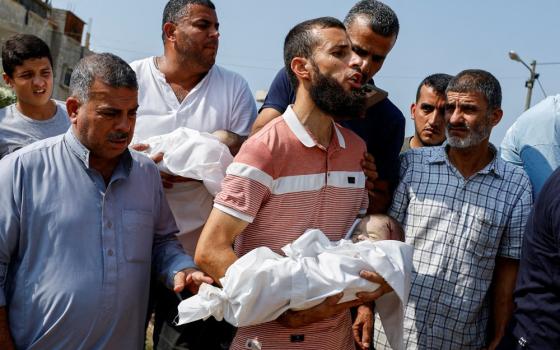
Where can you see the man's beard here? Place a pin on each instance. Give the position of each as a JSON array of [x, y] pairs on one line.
[[331, 98], [475, 136]]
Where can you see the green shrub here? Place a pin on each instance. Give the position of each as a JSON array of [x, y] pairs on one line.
[[7, 97]]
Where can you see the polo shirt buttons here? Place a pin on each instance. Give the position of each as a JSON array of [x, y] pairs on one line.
[[110, 252]]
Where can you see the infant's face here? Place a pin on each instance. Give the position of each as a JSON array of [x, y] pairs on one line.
[[375, 228], [372, 228]]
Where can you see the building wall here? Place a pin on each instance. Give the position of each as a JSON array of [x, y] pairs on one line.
[[66, 51]]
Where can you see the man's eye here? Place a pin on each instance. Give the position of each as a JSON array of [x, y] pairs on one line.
[[25, 76], [428, 109]]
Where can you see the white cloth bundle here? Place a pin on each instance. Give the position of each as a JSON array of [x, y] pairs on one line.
[[192, 154], [261, 285], [195, 155]]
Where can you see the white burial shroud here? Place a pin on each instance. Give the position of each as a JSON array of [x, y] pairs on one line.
[[261, 285], [195, 155]]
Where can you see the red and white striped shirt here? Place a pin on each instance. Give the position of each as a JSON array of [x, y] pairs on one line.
[[284, 182]]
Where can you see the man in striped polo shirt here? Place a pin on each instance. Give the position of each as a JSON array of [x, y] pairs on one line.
[[300, 171]]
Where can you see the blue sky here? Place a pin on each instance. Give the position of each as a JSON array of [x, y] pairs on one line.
[[436, 36]]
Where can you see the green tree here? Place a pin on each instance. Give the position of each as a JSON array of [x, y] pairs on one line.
[[7, 97]]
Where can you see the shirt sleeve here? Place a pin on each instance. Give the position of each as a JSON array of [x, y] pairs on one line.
[[509, 149], [244, 109], [399, 206], [512, 238], [280, 94], [168, 255], [10, 197], [248, 182]]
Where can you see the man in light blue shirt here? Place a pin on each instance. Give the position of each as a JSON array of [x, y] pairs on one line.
[[533, 141], [82, 223]]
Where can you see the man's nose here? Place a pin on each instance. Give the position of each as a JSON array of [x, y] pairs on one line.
[[356, 61]]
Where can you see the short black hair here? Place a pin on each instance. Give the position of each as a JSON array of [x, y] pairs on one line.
[[300, 41], [478, 80], [438, 82], [21, 47], [176, 9], [383, 20]]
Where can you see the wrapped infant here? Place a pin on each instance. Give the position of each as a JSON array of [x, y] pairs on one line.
[[262, 284]]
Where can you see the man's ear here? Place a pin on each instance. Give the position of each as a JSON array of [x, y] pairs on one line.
[[412, 110], [497, 116], [72, 106], [169, 30], [301, 68], [7, 79]]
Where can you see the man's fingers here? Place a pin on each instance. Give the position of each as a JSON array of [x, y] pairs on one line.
[[199, 277], [140, 147], [179, 281], [158, 157]]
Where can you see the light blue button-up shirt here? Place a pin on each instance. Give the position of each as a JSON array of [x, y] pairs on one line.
[[533, 141], [76, 254]]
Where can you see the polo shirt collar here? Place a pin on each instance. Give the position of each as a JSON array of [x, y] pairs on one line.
[[495, 167], [301, 132]]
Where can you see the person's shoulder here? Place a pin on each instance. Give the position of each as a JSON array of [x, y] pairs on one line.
[[35, 150], [226, 75], [141, 64], [142, 160], [6, 112], [387, 111], [512, 173]]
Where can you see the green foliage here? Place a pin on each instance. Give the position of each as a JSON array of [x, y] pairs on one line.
[[7, 97]]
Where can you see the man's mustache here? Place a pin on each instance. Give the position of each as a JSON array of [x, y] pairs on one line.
[[118, 136]]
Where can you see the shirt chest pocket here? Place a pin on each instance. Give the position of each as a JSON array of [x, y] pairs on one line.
[[138, 235], [484, 237]]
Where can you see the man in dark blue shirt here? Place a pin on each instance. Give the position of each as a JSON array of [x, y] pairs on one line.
[[535, 322], [373, 28]]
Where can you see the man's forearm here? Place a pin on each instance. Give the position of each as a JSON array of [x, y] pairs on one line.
[[380, 202], [503, 285], [5, 336]]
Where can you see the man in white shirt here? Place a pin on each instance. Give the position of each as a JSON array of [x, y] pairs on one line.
[[184, 88]]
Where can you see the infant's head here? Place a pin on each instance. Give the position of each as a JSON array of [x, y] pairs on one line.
[[377, 227]]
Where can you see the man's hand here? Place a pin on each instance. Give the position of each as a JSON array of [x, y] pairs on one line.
[[167, 180], [370, 170], [328, 308], [190, 279], [383, 289], [363, 326]]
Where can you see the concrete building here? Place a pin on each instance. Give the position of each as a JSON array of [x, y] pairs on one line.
[[62, 30]]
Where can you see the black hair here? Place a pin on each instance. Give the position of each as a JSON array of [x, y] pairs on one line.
[[438, 82], [477, 80], [176, 9], [300, 41], [21, 47], [382, 19]]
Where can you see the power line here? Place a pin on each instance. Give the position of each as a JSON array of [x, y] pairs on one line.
[[542, 89]]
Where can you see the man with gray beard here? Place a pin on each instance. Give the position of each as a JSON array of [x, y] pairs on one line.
[[464, 210]]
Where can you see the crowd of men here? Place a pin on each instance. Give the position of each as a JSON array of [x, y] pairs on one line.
[[89, 248]]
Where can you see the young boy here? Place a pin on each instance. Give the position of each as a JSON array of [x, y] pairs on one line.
[[28, 70]]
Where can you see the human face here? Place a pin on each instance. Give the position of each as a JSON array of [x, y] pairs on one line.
[[197, 36], [428, 114], [335, 76], [469, 120], [371, 47], [105, 123], [32, 81]]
